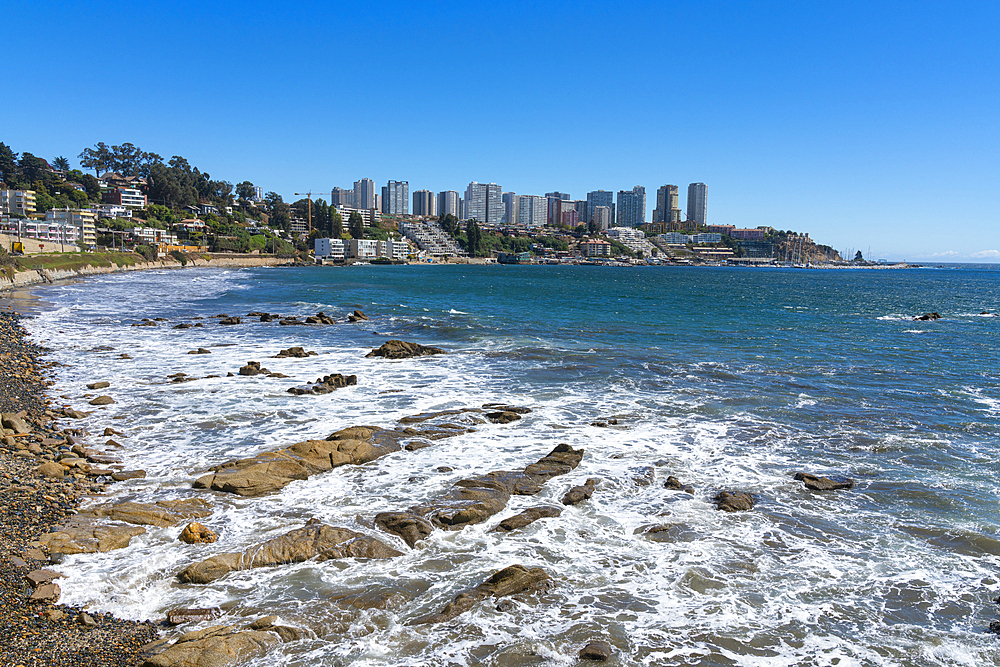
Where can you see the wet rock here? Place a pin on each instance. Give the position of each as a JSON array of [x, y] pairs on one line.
[[291, 321], [677, 485], [196, 533], [200, 350], [161, 514], [231, 320], [728, 501], [122, 475], [47, 593], [370, 599], [398, 349], [526, 517], [81, 534], [15, 422], [183, 325], [357, 316], [995, 627], [643, 476], [596, 650], [509, 581], [75, 414], [217, 646], [927, 317], [38, 577], [326, 384], [266, 317], [314, 540], [183, 615], [816, 483], [578, 494], [296, 352], [98, 385], [675, 532], [504, 417], [320, 318], [144, 323], [252, 368], [86, 620], [503, 407]]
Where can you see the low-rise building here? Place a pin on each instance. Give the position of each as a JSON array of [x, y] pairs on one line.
[[153, 236], [748, 234], [129, 197], [596, 248], [362, 248], [335, 249], [17, 202], [393, 249], [112, 211], [84, 220], [369, 215]]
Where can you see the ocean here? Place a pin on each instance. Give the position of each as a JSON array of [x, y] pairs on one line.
[[726, 378]]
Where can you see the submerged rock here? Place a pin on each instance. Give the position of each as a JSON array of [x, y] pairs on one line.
[[596, 650], [508, 581], [314, 540], [296, 352], [677, 485], [816, 483], [398, 349], [525, 518], [326, 384], [927, 317], [578, 494]]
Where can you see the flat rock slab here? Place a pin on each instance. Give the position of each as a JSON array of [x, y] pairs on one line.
[[508, 581], [398, 349], [525, 518], [219, 646], [161, 514], [81, 534], [37, 577], [14, 421], [816, 483], [48, 593], [189, 615], [102, 400], [314, 540]]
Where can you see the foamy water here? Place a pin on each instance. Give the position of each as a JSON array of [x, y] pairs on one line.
[[718, 392]]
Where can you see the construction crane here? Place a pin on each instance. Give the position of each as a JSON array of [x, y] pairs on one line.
[[308, 196]]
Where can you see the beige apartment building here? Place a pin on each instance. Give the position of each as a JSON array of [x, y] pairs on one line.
[[83, 219], [17, 202]]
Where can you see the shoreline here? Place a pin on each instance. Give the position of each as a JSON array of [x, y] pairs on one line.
[[35, 629]]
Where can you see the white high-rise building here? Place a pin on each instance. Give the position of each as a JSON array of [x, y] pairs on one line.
[[632, 207], [697, 203], [510, 208], [364, 193], [396, 198], [532, 211], [484, 203], [448, 203]]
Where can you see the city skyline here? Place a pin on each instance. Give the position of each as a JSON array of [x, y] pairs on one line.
[[799, 116]]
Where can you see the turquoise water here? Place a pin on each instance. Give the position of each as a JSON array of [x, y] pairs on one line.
[[725, 378]]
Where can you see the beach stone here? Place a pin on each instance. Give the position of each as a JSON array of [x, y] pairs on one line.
[[86, 620], [102, 400], [108, 431], [47, 593], [50, 469], [578, 494], [525, 518], [816, 483], [196, 533], [37, 577], [123, 475], [15, 422], [314, 540], [252, 368], [98, 385], [509, 581], [397, 349], [200, 350], [596, 650], [739, 501], [188, 615], [677, 485], [54, 614]]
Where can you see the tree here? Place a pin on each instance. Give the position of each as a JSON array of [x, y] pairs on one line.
[[245, 190], [336, 224], [98, 158], [449, 223], [281, 216], [61, 163], [8, 165], [858, 257], [33, 168], [592, 227], [356, 225], [474, 236]]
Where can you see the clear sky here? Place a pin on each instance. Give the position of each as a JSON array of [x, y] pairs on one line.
[[870, 125]]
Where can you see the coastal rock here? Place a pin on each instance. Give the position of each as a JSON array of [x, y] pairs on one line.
[[51, 469], [183, 615], [15, 422], [314, 540], [183, 325], [48, 593], [291, 321], [122, 475], [200, 350], [196, 533], [144, 323], [38, 577], [526, 517], [596, 650], [98, 385], [508, 581], [161, 514], [296, 352], [927, 317], [398, 349], [675, 484], [320, 318], [326, 384], [503, 407], [728, 501], [995, 627], [80, 534], [102, 400], [231, 320], [266, 317], [217, 646], [578, 494], [252, 368], [475, 499], [504, 417], [815, 483], [357, 316], [75, 414]]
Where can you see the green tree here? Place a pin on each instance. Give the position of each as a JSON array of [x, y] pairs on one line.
[[449, 223], [355, 225], [475, 237], [61, 163], [858, 257], [336, 224], [8, 166], [33, 168], [245, 190], [98, 158]]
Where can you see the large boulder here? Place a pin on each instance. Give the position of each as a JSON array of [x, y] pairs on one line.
[[81, 534], [398, 349], [508, 581], [252, 368], [161, 514], [314, 540], [730, 501], [223, 645], [817, 483], [296, 352], [16, 422], [578, 494], [926, 317]]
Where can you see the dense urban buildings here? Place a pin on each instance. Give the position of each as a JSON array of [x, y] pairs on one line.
[[697, 203], [597, 198], [483, 201], [632, 207]]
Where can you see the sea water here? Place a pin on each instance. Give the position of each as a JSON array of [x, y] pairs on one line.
[[728, 379]]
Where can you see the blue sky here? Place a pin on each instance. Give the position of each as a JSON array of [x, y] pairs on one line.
[[872, 126]]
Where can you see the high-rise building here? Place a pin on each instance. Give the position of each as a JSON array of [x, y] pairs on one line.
[[396, 198], [510, 208], [364, 193], [424, 203], [342, 197], [555, 210], [258, 193], [602, 217], [448, 204], [483, 201], [581, 211], [697, 203], [631, 207], [599, 198], [532, 211], [667, 208]]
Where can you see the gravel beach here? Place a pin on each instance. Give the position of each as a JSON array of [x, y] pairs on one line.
[[37, 632]]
